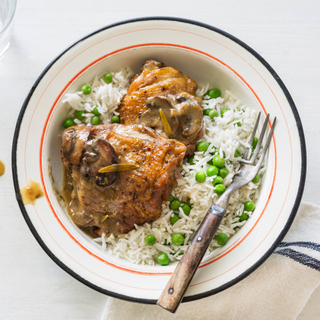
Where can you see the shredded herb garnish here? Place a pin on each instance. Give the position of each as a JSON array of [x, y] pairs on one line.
[[104, 218], [119, 167], [166, 125]]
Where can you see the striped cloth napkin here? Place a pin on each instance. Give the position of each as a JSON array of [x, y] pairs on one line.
[[279, 289]]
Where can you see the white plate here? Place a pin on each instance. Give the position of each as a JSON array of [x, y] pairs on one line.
[[206, 54]]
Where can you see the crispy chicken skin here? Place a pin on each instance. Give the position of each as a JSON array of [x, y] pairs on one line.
[[126, 197], [160, 87]]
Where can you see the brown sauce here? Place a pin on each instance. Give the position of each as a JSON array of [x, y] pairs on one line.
[[56, 191], [31, 192], [89, 223], [2, 168]]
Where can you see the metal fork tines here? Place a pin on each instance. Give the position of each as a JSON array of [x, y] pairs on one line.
[[246, 156]]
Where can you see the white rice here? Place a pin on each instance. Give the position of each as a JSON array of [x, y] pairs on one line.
[[105, 96], [220, 132]]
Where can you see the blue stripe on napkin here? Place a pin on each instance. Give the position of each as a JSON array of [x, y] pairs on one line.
[[300, 257], [309, 245]]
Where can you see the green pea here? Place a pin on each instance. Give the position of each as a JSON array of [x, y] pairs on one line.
[[189, 203], [237, 122], [186, 209], [86, 89], [200, 176], [206, 112], [203, 146], [222, 238], [217, 180], [177, 239], [175, 204], [218, 161], [220, 189], [237, 153], [212, 171], [150, 240], [79, 114], [243, 217], [223, 172], [249, 206], [213, 93], [107, 78], [163, 259], [95, 120], [95, 111], [223, 111], [256, 179], [171, 198], [69, 123], [174, 219], [115, 119], [191, 160], [255, 141], [213, 114]]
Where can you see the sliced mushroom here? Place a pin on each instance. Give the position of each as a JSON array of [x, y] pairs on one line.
[[183, 113], [98, 154], [189, 112], [73, 141], [190, 118], [151, 118]]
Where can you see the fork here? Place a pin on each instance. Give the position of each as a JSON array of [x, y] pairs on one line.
[[177, 285]]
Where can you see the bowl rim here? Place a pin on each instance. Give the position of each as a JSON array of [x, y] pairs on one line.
[[227, 284]]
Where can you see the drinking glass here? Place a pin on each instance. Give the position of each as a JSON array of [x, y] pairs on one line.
[[7, 11]]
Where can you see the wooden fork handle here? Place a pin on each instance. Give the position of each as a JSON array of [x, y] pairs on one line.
[[177, 285]]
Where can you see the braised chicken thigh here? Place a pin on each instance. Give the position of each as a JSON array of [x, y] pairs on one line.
[[164, 89], [115, 201]]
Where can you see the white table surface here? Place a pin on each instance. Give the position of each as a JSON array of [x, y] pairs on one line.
[[285, 33]]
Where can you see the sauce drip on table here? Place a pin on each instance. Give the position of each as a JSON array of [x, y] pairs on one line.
[[2, 168]]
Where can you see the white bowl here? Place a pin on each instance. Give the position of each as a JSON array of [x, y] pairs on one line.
[[206, 54]]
